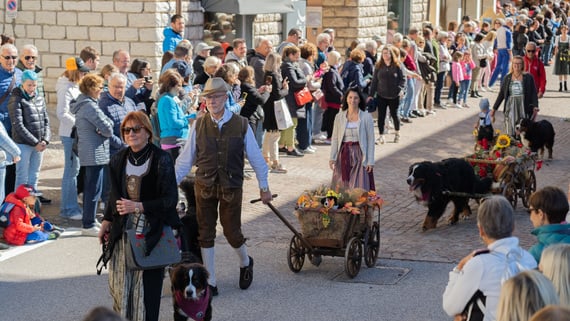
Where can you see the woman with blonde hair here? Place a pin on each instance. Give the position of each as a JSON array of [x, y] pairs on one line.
[[487, 71], [523, 295], [552, 313], [279, 89], [555, 265]]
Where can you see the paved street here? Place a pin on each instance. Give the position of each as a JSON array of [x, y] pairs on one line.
[[58, 281]]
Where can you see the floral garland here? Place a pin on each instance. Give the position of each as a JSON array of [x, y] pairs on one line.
[[350, 201]]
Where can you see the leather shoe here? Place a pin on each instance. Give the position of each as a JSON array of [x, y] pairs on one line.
[[282, 149], [213, 290], [246, 275], [295, 153]]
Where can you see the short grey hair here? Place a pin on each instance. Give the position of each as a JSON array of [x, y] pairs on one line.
[[442, 35], [397, 37], [118, 75], [322, 37], [8, 46], [333, 57], [259, 40], [496, 217], [30, 47], [212, 61], [371, 45]]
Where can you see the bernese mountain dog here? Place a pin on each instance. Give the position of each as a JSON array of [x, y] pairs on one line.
[[431, 183], [191, 295], [537, 135]]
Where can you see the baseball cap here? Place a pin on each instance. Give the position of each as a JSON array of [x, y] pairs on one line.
[[26, 190], [202, 46], [76, 64]]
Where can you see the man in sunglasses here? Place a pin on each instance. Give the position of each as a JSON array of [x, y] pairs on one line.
[[29, 61], [534, 66], [10, 78]]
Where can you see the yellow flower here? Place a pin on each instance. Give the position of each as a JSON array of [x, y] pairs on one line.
[[503, 141]]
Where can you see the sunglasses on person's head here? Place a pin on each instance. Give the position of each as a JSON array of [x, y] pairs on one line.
[[135, 129], [10, 57]]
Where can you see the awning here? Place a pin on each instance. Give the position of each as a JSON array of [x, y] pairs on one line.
[[248, 7]]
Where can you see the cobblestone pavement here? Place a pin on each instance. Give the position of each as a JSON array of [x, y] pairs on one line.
[[447, 134]]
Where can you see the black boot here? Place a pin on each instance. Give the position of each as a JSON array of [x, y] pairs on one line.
[[565, 86], [478, 94], [560, 88], [472, 95]]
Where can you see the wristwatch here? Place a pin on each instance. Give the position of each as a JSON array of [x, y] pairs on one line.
[[264, 189], [137, 210]]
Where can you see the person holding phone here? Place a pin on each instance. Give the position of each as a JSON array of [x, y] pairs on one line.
[[253, 98]]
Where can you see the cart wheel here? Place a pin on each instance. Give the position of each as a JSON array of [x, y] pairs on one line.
[[373, 246], [530, 187], [510, 193], [295, 254], [353, 256]]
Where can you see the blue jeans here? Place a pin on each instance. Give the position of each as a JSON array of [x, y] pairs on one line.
[[28, 169], [2, 180], [92, 193], [546, 51], [69, 206], [317, 119], [438, 87], [406, 108], [502, 67], [259, 133], [463, 88]]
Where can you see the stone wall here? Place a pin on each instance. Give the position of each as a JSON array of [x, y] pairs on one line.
[[270, 26], [60, 29]]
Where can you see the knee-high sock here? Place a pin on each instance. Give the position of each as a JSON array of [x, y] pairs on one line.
[[208, 258], [243, 257]]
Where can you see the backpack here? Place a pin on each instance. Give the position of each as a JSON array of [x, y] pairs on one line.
[[5, 210], [155, 122]]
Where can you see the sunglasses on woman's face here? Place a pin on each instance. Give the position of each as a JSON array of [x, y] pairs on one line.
[[135, 129]]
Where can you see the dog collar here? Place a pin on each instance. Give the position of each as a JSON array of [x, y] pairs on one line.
[[193, 309]]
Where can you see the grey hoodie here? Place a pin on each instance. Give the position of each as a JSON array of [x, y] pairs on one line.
[[93, 130]]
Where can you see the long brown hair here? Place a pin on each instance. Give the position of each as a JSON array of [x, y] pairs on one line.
[[395, 58]]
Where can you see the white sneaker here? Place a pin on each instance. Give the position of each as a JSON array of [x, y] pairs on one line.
[[458, 106], [313, 148], [76, 217], [431, 112], [97, 224], [94, 231], [307, 151], [482, 89], [450, 102]]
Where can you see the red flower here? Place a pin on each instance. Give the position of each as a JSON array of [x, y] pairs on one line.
[[519, 145]]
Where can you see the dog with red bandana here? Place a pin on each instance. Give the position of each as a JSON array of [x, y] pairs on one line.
[[191, 296]]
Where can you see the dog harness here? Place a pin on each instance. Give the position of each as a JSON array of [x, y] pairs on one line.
[[193, 309]]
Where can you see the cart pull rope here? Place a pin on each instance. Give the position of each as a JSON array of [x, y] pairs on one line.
[[259, 199]]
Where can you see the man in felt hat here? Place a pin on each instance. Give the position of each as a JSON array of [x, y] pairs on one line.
[[216, 144]]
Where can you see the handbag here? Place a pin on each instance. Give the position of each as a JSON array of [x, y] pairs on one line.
[[164, 253], [303, 97], [282, 115], [483, 63], [318, 94]]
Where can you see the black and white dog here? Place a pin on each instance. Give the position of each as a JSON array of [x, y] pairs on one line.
[[537, 135], [432, 182], [191, 295]]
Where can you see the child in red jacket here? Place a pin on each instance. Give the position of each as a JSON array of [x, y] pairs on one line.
[[25, 226]]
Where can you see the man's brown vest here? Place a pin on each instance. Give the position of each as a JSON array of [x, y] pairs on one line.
[[220, 153]]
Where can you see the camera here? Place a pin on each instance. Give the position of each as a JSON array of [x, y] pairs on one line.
[[147, 78]]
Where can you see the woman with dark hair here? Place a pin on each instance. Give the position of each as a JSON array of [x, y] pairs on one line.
[[143, 190], [387, 87], [352, 144], [333, 88], [173, 121], [254, 97], [140, 69], [548, 208]]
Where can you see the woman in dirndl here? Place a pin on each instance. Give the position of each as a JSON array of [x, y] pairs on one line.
[[143, 191], [352, 144], [562, 57], [519, 93]]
